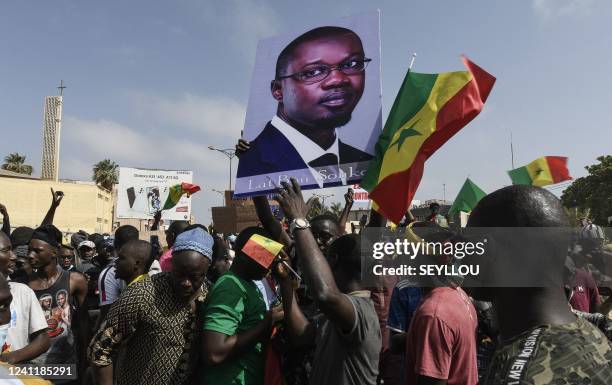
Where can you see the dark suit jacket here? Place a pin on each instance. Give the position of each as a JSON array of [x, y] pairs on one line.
[[272, 152]]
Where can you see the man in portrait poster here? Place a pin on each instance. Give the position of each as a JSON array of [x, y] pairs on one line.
[[319, 80]]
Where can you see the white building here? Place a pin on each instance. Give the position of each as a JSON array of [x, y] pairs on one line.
[[52, 124]]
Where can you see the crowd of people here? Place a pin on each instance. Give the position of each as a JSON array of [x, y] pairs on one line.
[[122, 310]]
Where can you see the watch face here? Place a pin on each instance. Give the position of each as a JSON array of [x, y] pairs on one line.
[[301, 222]]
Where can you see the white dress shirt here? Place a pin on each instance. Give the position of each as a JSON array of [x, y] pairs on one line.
[[307, 149]]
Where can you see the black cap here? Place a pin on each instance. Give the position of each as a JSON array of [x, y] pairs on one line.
[[49, 234], [21, 236]]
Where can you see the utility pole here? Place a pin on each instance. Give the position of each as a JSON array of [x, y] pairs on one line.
[[230, 153]]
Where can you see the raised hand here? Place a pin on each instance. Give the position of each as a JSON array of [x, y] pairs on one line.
[[3, 210], [279, 270], [291, 200], [56, 197], [348, 197], [242, 146]]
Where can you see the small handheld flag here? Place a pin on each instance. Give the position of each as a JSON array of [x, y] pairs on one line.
[[177, 191], [542, 172], [262, 250]]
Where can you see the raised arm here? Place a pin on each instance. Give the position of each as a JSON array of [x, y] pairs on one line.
[[157, 219], [270, 223], [317, 273], [6, 223], [56, 199], [300, 331], [348, 204]]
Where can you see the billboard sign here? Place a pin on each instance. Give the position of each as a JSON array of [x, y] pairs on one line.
[[142, 192]]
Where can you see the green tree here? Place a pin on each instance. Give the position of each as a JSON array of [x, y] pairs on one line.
[[316, 208], [575, 215], [592, 193], [15, 162], [106, 174]]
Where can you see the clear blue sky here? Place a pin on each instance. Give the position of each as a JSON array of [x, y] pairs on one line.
[[153, 83]]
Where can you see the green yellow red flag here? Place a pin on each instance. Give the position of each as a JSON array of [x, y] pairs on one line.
[[428, 110], [542, 172], [177, 191], [262, 250]]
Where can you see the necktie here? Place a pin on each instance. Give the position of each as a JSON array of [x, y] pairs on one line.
[[324, 160]]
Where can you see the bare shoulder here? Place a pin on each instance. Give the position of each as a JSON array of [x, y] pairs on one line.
[[77, 279]]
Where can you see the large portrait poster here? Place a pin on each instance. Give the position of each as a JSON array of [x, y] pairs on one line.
[[314, 110], [142, 192]]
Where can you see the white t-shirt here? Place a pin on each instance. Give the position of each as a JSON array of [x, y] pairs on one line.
[[26, 316], [266, 291], [109, 287], [155, 268]]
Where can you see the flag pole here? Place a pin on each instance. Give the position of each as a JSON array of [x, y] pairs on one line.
[[511, 150], [414, 55]]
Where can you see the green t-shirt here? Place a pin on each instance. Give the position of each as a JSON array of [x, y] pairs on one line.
[[234, 306]]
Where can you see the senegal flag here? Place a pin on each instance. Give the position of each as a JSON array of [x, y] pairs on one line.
[[542, 172], [177, 191], [262, 250], [428, 110]]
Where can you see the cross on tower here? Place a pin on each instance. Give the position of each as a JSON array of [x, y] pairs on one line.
[[61, 88]]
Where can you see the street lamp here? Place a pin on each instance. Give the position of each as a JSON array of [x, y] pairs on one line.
[[222, 194], [230, 153], [323, 197]]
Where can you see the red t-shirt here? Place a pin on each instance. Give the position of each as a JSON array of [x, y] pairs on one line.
[[441, 340], [585, 296]]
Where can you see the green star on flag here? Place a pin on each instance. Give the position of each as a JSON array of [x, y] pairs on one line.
[[410, 131]]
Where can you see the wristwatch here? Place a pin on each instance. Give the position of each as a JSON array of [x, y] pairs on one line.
[[298, 224]]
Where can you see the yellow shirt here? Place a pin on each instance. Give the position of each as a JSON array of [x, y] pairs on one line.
[[139, 278]]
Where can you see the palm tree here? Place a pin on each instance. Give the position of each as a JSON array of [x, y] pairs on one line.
[[106, 174], [16, 163], [336, 209]]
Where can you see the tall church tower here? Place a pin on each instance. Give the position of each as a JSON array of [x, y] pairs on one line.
[[52, 125]]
